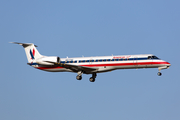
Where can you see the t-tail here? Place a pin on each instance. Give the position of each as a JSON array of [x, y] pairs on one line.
[[33, 56], [31, 51]]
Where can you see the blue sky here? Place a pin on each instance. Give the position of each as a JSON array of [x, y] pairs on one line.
[[89, 28]]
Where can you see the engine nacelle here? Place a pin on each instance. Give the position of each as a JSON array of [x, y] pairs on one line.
[[48, 60]]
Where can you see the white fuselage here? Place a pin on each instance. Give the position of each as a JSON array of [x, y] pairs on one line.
[[108, 63], [90, 65]]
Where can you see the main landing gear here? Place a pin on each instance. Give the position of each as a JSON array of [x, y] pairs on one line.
[[91, 79], [79, 76]]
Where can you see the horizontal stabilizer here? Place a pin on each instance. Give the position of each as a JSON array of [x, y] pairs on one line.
[[23, 44]]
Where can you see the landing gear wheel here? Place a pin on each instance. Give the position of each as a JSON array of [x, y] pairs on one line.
[[91, 79], [159, 73], [78, 77]]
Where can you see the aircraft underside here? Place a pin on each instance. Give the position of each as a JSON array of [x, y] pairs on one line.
[[103, 69]]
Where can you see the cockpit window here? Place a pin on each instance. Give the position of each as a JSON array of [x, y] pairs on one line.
[[154, 57], [149, 57]]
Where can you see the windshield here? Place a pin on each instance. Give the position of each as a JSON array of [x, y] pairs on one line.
[[152, 57]]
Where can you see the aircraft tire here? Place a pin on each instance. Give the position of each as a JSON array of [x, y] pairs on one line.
[[78, 77], [91, 79], [159, 73]]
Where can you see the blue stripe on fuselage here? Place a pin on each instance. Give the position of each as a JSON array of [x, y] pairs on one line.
[[33, 64], [98, 60], [107, 60]]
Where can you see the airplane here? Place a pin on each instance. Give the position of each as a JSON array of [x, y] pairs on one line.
[[90, 65]]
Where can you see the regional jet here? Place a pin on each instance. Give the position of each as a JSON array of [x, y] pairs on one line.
[[90, 65]]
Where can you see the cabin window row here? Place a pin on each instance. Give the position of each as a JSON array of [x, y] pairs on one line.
[[100, 60], [106, 60]]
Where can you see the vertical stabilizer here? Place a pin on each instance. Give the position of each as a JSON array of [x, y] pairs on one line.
[[31, 51]]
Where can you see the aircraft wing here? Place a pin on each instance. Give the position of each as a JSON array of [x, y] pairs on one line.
[[75, 68]]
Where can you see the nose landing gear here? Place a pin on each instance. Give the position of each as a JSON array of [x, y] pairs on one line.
[[160, 68], [159, 74]]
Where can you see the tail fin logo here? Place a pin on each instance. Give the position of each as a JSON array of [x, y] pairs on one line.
[[32, 53]]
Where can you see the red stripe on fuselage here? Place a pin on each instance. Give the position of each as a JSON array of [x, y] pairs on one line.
[[43, 68], [126, 64], [112, 64]]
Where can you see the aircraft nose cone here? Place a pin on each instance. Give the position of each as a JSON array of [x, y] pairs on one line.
[[168, 64]]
